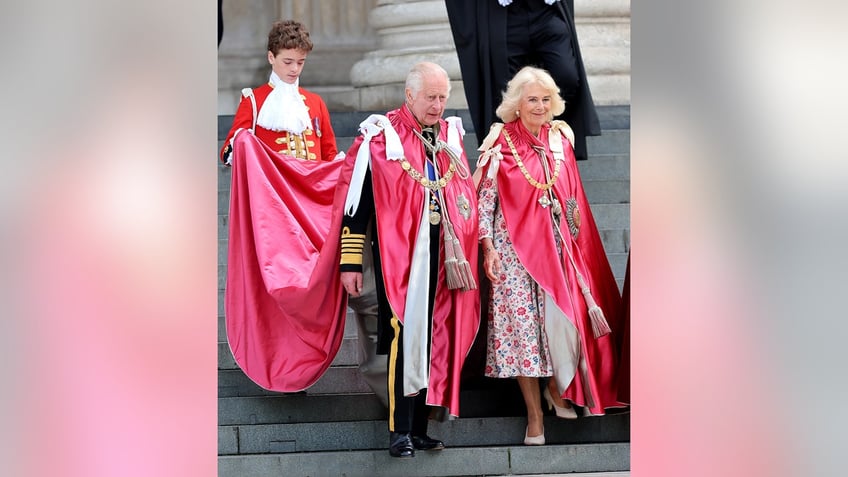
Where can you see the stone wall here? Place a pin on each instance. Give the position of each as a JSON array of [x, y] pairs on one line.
[[363, 48]]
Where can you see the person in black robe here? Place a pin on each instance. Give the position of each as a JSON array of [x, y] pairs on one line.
[[494, 41]]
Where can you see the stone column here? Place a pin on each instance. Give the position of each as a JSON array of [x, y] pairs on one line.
[[603, 28], [416, 30], [241, 56], [339, 30], [409, 31]]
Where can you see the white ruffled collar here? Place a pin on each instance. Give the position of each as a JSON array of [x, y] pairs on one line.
[[284, 109]]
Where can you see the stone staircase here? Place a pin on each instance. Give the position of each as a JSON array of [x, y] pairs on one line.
[[338, 426]]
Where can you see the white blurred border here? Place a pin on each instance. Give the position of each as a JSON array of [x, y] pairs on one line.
[[109, 203]]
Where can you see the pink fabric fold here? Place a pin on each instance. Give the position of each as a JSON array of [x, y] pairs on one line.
[[284, 303]]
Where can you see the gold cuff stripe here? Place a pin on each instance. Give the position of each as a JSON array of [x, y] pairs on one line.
[[351, 259], [392, 365], [349, 239]]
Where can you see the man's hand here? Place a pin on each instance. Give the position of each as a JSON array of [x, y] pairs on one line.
[[352, 282]]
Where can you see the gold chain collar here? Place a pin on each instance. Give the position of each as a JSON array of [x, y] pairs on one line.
[[419, 177], [430, 184], [523, 169]]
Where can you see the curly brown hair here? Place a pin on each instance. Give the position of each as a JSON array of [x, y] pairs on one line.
[[288, 35]]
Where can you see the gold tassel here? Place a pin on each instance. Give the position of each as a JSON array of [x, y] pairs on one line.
[[457, 269], [451, 272], [600, 327]]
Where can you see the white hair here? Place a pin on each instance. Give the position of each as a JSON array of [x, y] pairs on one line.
[[415, 77]]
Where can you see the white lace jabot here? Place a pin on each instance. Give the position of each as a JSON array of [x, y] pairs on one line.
[[284, 109]]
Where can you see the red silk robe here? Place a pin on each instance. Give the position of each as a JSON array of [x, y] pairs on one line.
[[284, 303]]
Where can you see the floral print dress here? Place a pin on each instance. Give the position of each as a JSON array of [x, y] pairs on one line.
[[516, 340]]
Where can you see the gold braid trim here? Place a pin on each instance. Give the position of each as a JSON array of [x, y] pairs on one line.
[[352, 246]]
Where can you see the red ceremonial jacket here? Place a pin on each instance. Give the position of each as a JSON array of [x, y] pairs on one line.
[[318, 143]]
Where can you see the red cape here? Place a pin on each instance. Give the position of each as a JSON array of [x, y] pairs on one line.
[[456, 314], [284, 303], [531, 230]]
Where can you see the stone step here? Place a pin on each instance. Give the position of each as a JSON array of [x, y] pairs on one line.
[[337, 380], [611, 216], [346, 123], [607, 191], [479, 397], [373, 434], [249, 404], [299, 408], [453, 461], [611, 141], [601, 167], [346, 379], [615, 240], [618, 263], [347, 355]]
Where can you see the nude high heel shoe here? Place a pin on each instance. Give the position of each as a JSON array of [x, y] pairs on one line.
[[535, 440], [563, 412]]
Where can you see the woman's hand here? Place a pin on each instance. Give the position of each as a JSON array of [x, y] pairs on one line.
[[491, 261], [352, 282]]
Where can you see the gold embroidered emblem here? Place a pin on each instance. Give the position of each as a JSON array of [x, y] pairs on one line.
[[572, 216], [463, 206]]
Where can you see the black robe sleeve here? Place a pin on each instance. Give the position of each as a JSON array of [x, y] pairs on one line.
[[355, 228]]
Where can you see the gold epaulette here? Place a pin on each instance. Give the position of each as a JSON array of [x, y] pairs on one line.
[[352, 247]]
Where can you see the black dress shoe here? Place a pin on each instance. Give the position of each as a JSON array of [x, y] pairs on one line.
[[426, 443], [400, 445]]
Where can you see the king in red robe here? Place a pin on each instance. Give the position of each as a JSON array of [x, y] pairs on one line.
[[411, 249]]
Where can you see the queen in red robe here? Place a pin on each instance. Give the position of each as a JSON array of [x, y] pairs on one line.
[[554, 299]]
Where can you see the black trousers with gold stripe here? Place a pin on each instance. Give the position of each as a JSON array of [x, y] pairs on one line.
[[407, 414], [411, 414]]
